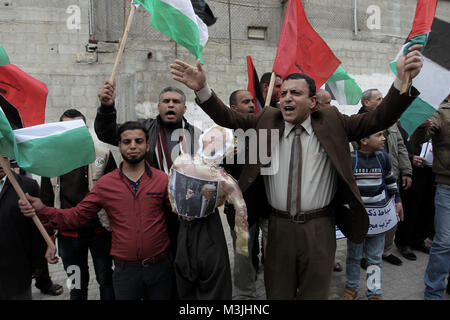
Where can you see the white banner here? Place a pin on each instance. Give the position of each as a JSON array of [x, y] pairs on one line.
[[381, 219]]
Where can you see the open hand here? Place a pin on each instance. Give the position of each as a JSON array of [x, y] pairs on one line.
[[192, 77]]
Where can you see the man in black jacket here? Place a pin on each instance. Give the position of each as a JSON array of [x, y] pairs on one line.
[[165, 140], [21, 246]]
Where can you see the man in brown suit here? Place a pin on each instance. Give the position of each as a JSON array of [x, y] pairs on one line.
[[301, 243]]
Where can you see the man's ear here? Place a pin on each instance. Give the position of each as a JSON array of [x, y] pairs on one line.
[[233, 107], [363, 141], [313, 102], [148, 146]]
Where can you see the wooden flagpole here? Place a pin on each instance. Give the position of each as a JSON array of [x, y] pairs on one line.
[[122, 44], [405, 81], [269, 92], [21, 194]]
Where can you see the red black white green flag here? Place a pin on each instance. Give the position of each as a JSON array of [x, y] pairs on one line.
[[26, 93], [253, 85], [434, 78], [302, 50]]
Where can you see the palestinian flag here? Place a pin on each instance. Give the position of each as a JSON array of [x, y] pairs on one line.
[[301, 49], [26, 93], [47, 150], [434, 78], [253, 85], [181, 21]]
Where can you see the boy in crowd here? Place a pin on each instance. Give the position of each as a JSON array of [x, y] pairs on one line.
[[372, 170]]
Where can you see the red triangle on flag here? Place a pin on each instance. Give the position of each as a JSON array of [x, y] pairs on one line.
[[301, 49], [423, 18], [26, 93]]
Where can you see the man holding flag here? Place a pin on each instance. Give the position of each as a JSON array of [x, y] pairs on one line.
[[321, 188], [135, 197]]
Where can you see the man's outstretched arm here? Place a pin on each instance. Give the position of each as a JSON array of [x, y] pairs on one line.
[[194, 77]]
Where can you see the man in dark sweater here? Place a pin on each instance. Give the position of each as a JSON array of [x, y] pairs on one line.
[[67, 191]]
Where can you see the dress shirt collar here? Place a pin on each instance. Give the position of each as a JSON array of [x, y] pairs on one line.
[[288, 127]]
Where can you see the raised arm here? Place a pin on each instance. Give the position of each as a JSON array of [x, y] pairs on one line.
[[105, 124], [392, 106], [194, 77]]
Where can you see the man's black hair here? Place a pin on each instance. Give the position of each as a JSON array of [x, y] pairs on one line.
[[233, 97], [173, 89], [265, 78], [131, 125], [309, 81], [72, 113]]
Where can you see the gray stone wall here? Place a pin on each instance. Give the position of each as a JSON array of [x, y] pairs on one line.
[[38, 39]]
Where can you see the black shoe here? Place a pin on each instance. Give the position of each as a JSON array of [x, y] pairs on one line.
[[422, 248], [393, 260], [364, 263], [407, 253]]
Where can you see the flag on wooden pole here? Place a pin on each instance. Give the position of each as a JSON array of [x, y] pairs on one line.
[[302, 50], [47, 150], [178, 20], [434, 77]]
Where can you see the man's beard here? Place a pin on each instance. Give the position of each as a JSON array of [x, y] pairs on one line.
[[133, 160]]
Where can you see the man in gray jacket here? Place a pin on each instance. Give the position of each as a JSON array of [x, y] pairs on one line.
[[401, 166]]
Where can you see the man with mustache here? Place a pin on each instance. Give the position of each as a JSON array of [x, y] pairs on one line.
[[313, 187], [164, 138]]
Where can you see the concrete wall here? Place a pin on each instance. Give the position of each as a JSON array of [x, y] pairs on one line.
[[37, 38]]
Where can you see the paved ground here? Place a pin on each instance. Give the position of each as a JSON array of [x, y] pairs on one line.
[[399, 282]]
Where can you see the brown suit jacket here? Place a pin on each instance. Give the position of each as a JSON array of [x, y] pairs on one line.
[[334, 131]]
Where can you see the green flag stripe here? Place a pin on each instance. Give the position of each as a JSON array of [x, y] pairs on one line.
[[8, 145], [4, 60], [415, 115], [31, 150], [352, 92], [185, 32], [338, 75], [351, 89]]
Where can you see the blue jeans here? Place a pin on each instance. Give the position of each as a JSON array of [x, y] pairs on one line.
[[374, 247], [74, 252], [439, 261]]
